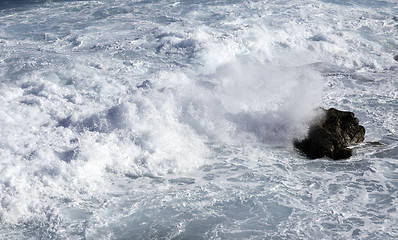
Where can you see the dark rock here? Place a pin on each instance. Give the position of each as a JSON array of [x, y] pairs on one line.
[[396, 57], [375, 143], [331, 135]]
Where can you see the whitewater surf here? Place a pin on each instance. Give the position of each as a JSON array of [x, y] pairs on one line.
[[176, 119]]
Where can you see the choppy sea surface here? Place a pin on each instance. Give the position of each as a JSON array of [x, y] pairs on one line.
[[127, 119]]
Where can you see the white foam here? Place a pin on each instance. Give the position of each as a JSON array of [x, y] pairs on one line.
[[224, 83]]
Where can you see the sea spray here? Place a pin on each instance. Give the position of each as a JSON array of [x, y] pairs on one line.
[[269, 103], [159, 119]]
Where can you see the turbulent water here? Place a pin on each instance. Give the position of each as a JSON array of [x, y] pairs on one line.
[[127, 119]]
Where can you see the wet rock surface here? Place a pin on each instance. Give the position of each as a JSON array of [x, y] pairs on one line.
[[331, 135]]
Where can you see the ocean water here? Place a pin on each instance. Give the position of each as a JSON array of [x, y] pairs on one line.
[[128, 119]]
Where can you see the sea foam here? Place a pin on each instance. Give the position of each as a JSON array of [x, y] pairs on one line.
[[138, 119]]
